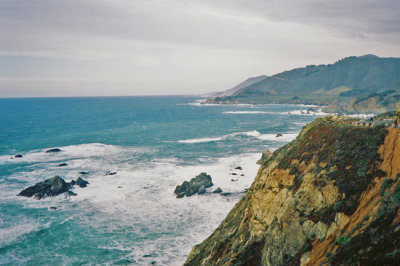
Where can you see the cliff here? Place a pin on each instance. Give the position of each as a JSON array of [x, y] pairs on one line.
[[331, 196]]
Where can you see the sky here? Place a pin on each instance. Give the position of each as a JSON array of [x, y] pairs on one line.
[[179, 47]]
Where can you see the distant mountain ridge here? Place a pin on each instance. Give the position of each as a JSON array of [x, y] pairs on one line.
[[244, 84], [361, 81]]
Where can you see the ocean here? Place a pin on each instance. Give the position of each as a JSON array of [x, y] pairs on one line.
[[153, 144]]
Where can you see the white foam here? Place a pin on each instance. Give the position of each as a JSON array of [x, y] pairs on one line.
[[286, 137], [201, 140], [74, 151]]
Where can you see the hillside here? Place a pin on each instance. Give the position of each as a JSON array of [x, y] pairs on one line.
[[331, 196], [352, 84], [241, 85]]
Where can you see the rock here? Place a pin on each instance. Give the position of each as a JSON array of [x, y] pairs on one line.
[[234, 180], [48, 188], [195, 185], [226, 194], [53, 208], [238, 168], [81, 182], [53, 150], [278, 135], [18, 156], [202, 190], [69, 194], [63, 164], [111, 173], [72, 183], [218, 190], [119, 187], [233, 174], [264, 156], [83, 173], [242, 175]]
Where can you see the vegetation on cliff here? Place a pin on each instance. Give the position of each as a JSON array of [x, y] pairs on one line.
[[331, 196]]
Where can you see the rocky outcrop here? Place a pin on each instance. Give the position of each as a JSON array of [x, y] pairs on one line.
[[48, 188], [331, 196], [195, 185], [264, 156], [52, 187], [53, 150]]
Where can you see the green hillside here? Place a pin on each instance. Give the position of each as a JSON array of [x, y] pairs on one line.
[[365, 81]]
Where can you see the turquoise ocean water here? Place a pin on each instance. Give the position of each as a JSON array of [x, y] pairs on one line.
[[154, 144]]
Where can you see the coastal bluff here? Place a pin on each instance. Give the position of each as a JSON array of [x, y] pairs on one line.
[[329, 197]]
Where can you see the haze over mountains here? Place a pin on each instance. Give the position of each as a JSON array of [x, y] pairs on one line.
[[351, 84]]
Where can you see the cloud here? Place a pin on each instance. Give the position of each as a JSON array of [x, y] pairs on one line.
[[179, 47]]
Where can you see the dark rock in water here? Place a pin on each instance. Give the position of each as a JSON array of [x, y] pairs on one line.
[[238, 168], [278, 135], [202, 190], [69, 194], [233, 174], [195, 185], [81, 182], [18, 156], [48, 188], [218, 190], [63, 164], [83, 173], [234, 180], [53, 150], [226, 194], [111, 173], [72, 183], [53, 208], [119, 187], [242, 175]]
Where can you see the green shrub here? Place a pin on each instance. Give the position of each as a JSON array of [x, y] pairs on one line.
[[386, 184]]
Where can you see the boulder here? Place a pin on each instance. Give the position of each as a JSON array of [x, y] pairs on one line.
[[195, 185], [278, 135], [18, 156], [81, 182], [62, 164], [48, 188], [238, 168], [83, 173], [218, 190], [53, 150], [111, 173]]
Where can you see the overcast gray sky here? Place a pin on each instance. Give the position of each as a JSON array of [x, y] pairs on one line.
[[159, 47]]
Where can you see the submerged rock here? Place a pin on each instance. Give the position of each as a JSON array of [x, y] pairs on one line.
[[62, 164], [218, 190], [81, 182], [278, 135], [238, 168], [195, 185], [48, 188], [18, 156], [111, 173], [53, 150], [83, 173]]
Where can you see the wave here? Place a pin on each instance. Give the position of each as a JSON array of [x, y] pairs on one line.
[[295, 112], [286, 137], [81, 151]]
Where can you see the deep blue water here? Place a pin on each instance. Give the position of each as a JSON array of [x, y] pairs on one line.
[[153, 143]]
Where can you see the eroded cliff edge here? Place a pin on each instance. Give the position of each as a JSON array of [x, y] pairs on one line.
[[331, 196]]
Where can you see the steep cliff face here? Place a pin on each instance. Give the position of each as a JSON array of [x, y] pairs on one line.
[[331, 196]]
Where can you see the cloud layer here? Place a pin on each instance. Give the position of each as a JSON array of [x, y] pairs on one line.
[[121, 47]]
